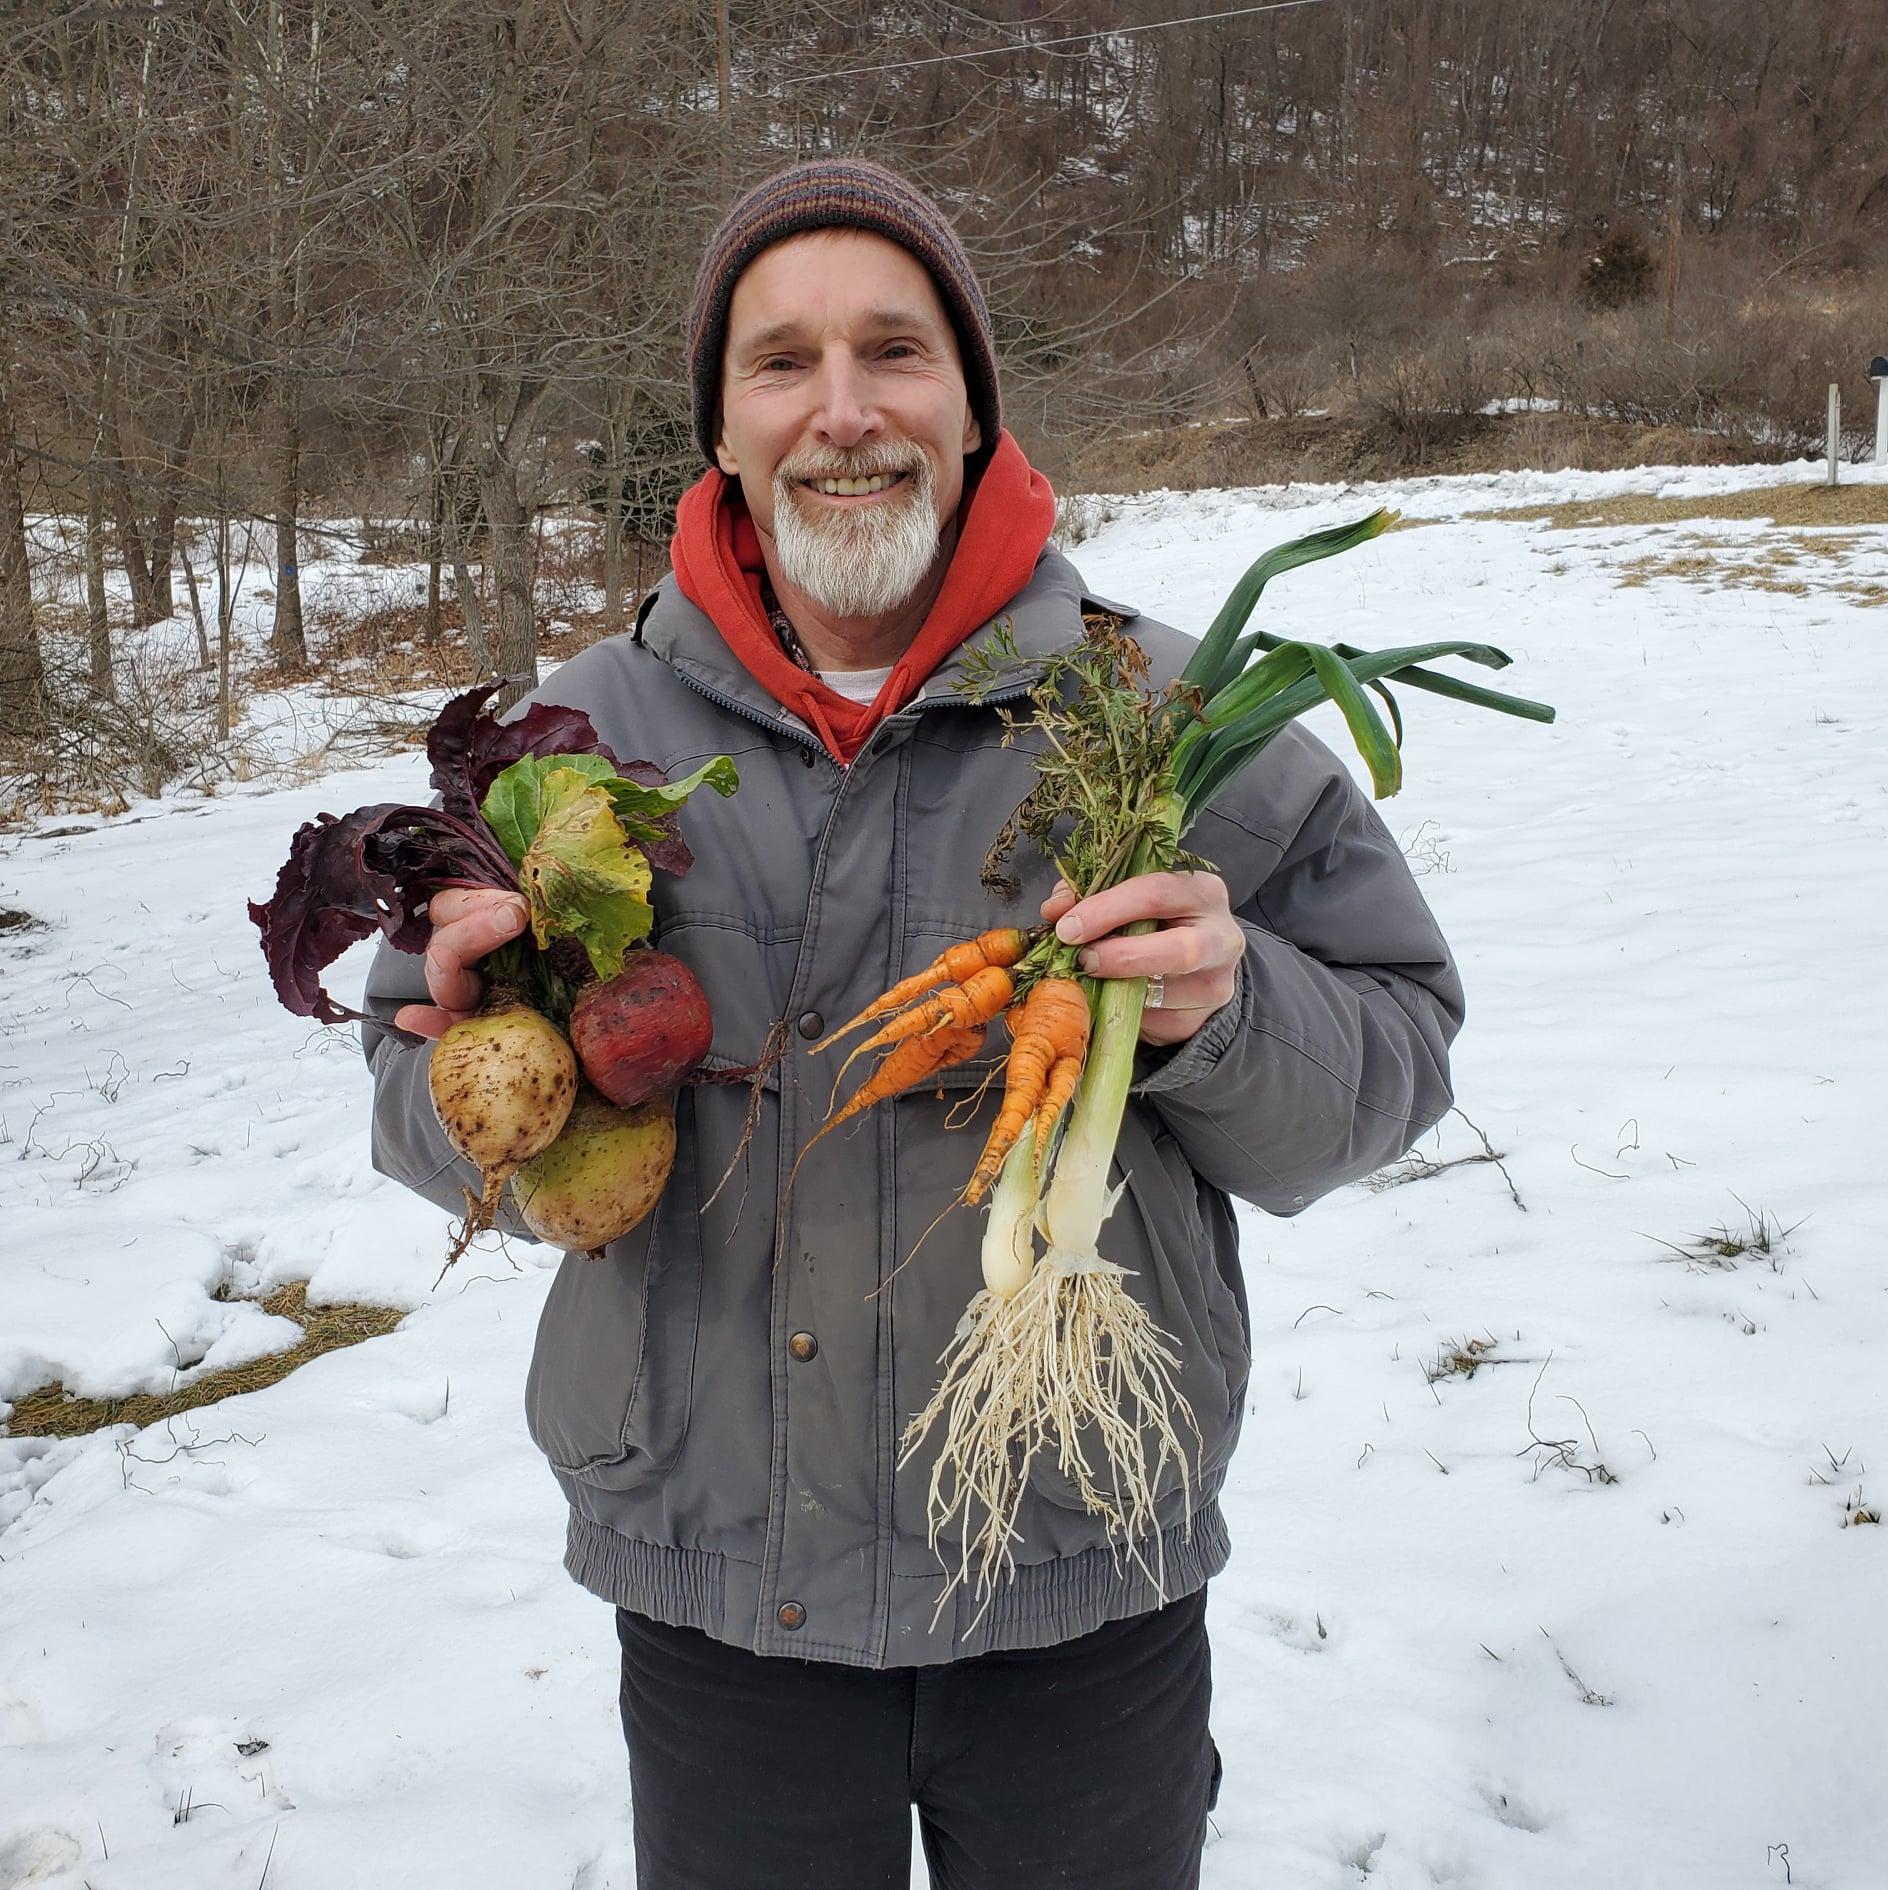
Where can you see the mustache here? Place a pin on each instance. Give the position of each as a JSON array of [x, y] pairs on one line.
[[864, 462]]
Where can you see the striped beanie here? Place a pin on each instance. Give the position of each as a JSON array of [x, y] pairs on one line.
[[837, 194]]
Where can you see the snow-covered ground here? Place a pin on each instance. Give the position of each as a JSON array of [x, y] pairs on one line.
[[1590, 1616]]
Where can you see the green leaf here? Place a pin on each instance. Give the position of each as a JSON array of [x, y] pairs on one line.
[[1212, 756], [1396, 714], [635, 803], [582, 875], [1282, 666], [1457, 691], [514, 803], [1361, 718], [1217, 660]]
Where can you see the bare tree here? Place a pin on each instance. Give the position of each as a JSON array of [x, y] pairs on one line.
[[22, 671]]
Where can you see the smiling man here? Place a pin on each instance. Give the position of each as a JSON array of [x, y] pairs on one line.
[[722, 1395]]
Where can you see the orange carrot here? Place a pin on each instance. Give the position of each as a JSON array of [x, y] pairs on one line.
[[956, 964], [978, 999], [1052, 1030], [1063, 1077], [905, 1067]]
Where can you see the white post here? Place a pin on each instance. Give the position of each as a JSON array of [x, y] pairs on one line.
[[1881, 422], [1835, 428]]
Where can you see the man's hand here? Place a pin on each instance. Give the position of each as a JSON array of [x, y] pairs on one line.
[[1195, 951], [468, 923]]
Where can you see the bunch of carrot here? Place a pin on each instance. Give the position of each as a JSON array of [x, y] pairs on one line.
[[1005, 973]]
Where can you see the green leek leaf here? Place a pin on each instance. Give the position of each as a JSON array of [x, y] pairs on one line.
[[1215, 662]]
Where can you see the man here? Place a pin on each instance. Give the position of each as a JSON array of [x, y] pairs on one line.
[[722, 1396]]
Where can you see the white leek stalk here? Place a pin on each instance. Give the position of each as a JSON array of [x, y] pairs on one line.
[[1009, 1235]]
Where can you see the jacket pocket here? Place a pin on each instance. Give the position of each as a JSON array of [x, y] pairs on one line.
[[1160, 1235], [611, 1383]]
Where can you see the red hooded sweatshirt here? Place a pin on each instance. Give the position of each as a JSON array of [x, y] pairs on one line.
[[1003, 524]]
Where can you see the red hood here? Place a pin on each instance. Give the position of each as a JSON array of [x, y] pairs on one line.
[[1003, 524]]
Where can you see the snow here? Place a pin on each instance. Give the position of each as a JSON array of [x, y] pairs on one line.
[[322, 1629]]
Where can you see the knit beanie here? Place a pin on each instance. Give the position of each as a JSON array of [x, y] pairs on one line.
[[837, 194]]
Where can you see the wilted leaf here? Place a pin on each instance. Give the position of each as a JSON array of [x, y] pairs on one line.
[[582, 875]]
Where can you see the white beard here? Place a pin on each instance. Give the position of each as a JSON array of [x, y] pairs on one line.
[[864, 561]]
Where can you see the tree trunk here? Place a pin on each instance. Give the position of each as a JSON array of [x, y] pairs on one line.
[[287, 644], [137, 562], [508, 535], [204, 659], [164, 526], [434, 541], [98, 621], [23, 702], [613, 564], [225, 613], [478, 649]]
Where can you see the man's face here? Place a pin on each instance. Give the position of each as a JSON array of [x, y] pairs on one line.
[[841, 368]]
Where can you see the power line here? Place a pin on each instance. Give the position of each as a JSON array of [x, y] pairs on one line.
[[1067, 39]]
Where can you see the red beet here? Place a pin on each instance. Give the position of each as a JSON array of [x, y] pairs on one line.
[[638, 1034]]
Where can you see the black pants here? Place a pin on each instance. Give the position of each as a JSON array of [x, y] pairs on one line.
[[1087, 1764]]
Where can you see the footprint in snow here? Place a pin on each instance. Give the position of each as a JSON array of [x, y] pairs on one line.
[[29, 1857], [1361, 1857], [1309, 1633], [1512, 1807]]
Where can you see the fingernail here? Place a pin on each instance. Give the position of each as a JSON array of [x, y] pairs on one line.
[[1069, 929], [1088, 961]]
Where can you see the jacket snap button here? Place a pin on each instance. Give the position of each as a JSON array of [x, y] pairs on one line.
[[791, 1615], [811, 1024], [806, 755], [803, 1346]]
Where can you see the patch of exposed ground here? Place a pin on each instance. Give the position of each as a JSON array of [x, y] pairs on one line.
[[1806, 505], [1790, 561], [50, 1411]]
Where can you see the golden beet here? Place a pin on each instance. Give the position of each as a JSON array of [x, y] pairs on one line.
[[601, 1176], [503, 1083]]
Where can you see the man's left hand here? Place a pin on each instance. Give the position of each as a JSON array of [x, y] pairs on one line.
[[1195, 951]]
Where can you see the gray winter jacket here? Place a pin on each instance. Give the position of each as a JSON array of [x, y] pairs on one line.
[[725, 1424]]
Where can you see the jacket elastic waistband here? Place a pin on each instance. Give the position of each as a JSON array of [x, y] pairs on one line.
[[1040, 1605]]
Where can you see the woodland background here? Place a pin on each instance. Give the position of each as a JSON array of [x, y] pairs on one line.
[[403, 279]]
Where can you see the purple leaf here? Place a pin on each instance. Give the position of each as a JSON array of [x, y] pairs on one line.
[[372, 871], [470, 749]]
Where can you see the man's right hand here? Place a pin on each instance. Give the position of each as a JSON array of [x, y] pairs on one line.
[[468, 924]]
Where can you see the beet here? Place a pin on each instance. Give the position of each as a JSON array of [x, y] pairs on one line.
[[638, 1034], [602, 1175]]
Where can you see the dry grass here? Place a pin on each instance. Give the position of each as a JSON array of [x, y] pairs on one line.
[[1724, 1248], [386, 650], [1805, 505], [1360, 445], [1459, 1358], [1788, 561], [50, 1411]]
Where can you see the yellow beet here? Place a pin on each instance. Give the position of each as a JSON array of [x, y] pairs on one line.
[[503, 1083], [601, 1176]]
